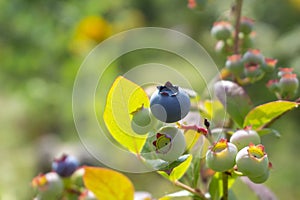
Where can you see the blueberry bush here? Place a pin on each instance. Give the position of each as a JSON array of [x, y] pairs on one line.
[[154, 125]]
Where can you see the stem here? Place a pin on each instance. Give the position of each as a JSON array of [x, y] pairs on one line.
[[225, 186], [191, 190], [238, 11]]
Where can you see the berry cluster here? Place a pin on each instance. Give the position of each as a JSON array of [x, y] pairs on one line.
[[286, 86], [243, 153], [248, 65], [251, 66], [63, 182], [224, 32]]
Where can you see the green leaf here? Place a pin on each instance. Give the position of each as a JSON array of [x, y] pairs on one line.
[[266, 131], [157, 164], [262, 115], [234, 99], [216, 185], [177, 168], [108, 184], [123, 98], [180, 170]]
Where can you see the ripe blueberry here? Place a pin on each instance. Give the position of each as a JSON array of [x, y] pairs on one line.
[[65, 165], [221, 156], [169, 103], [170, 143]]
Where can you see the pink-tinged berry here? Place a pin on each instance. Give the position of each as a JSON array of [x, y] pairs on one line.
[[49, 186], [242, 138], [288, 85], [170, 143], [273, 86], [221, 156], [253, 56], [65, 165], [252, 160], [269, 64], [87, 195], [246, 25], [222, 30], [221, 47], [234, 64], [192, 4], [285, 70]]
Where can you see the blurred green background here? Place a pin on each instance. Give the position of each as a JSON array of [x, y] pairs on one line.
[[43, 43]]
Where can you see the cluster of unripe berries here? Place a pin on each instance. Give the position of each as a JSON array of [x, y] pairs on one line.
[[251, 65], [243, 153], [286, 85], [224, 32], [64, 181]]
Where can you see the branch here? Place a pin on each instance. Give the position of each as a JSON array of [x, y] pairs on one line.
[[238, 11], [225, 186], [191, 190]]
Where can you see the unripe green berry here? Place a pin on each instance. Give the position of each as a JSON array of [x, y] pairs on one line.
[[77, 177], [222, 30], [246, 25], [252, 161], [247, 42], [234, 64], [260, 179], [170, 143], [273, 86], [288, 85], [143, 121], [253, 56], [269, 64], [221, 156], [253, 71], [244, 137]]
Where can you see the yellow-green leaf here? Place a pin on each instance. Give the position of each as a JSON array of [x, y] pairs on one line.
[[123, 98], [191, 137], [262, 115], [182, 165], [108, 184], [180, 170]]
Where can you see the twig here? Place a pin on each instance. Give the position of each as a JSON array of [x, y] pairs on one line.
[[238, 11], [191, 190], [225, 186]]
